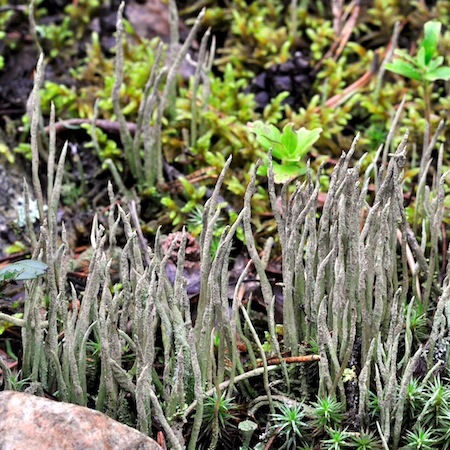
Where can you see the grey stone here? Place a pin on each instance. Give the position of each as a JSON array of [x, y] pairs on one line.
[[28, 422]]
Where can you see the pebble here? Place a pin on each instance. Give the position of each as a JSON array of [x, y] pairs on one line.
[[30, 422]]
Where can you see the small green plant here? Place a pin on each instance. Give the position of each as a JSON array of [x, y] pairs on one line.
[[420, 439], [306, 447], [81, 14], [414, 395], [373, 404], [58, 39], [327, 413], [108, 147], [424, 67], [256, 36], [28, 269], [443, 429], [337, 439], [418, 323], [436, 398], [288, 146], [220, 410], [18, 383], [365, 440], [289, 425], [179, 211]]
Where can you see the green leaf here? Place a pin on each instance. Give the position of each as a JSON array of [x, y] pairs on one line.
[[188, 187], [405, 69], [266, 135], [200, 192], [289, 140], [432, 30], [441, 73], [289, 147], [28, 269], [16, 247], [420, 59], [4, 324], [306, 139], [169, 203], [406, 56], [279, 150], [284, 172], [435, 63], [269, 137], [215, 159]]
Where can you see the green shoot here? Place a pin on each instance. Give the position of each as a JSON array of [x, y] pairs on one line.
[[424, 67], [288, 147], [289, 424], [28, 269]]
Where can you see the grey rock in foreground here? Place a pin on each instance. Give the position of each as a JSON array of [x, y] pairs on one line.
[[29, 422]]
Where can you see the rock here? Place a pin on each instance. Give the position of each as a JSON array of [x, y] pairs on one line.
[[294, 76], [150, 18], [29, 422]]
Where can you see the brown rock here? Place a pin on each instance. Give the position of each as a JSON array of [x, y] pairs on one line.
[[151, 18], [29, 422]]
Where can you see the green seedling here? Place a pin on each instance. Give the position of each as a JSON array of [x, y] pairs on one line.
[[420, 438], [339, 439], [28, 269], [424, 67], [288, 147], [218, 412], [365, 440], [289, 424], [327, 413]]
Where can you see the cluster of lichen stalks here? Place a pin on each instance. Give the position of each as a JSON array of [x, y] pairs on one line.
[[353, 272]]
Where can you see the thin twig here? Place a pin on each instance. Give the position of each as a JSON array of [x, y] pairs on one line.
[[108, 126], [245, 376], [292, 360]]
